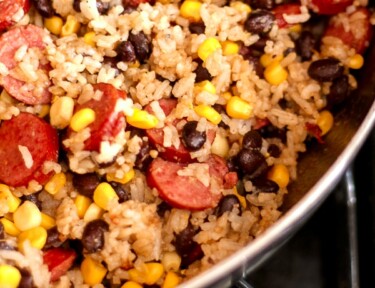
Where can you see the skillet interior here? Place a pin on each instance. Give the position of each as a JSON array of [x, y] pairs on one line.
[[319, 170]]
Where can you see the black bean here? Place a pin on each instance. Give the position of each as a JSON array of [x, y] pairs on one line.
[[202, 74], [26, 280], [44, 7], [162, 208], [261, 4], [219, 108], [122, 193], [197, 27], [191, 137], [143, 157], [2, 231], [76, 5], [260, 171], [93, 235], [142, 46], [260, 44], [232, 164], [226, 204], [126, 52], [53, 239], [5, 246], [102, 7], [265, 185], [305, 45], [259, 22], [86, 183], [252, 140], [249, 160], [186, 247], [274, 150], [33, 198], [258, 68], [339, 90], [325, 70], [270, 131]]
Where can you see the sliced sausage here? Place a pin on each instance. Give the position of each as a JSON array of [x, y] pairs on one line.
[[187, 192], [109, 121], [10, 12], [14, 82], [26, 142], [357, 34], [156, 137], [59, 261], [285, 9], [329, 7]]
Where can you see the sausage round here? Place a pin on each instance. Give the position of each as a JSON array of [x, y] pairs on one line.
[[26, 142]]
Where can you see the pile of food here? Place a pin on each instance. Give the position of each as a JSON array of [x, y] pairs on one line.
[[142, 142]]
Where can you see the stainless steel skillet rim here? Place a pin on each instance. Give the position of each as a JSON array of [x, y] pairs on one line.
[[293, 218]]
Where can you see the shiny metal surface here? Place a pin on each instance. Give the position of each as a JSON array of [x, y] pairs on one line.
[[319, 171]]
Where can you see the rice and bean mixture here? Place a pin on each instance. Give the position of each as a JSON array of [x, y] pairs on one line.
[[141, 142]]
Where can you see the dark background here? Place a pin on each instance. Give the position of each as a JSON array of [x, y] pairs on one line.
[[318, 256]]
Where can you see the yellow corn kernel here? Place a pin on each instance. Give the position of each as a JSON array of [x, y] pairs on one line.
[[92, 271], [275, 74], [44, 110], [93, 212], [61, 112], [240, 6], [220, 146], [279, 174], [230, 48], [9, 227], [12, 201], [148, 274], [134, 64], [171, 280], [82, 204], [190, 9], [71, 26], [27, 216], [267, 59], [82, 118], [241, 198], [54, 24], [125, 179], [56, 183], [205, 86], [36, 236], [239, 109], [104, 194], [209, 113], [325, 121], [89, 38], [297, 28], [226, 95], [141, 119], [356, 61], [10, 276], [131, 284], [47, 221], [208, 46], [171, 261]]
